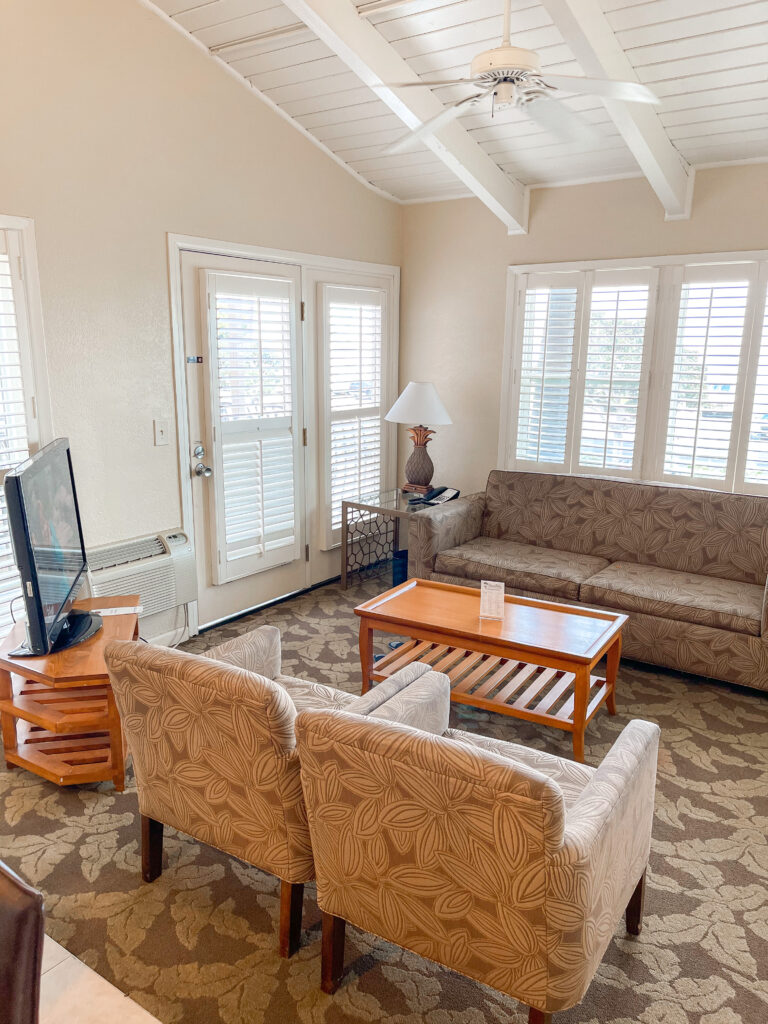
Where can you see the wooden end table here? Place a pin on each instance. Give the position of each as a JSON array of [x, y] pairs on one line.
[[536, 664], [58, 713]]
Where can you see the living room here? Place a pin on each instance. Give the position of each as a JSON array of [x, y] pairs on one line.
[[545, 260]]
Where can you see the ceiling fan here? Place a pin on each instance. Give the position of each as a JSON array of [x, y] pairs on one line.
[[512, 77]]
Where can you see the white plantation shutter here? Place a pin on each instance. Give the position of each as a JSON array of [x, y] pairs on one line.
[[251, 337], [756, 468], [17, 428], [547, 339], [705, 374], [354, 327], [613, 374]]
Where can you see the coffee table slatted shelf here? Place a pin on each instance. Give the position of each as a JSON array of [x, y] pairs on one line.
[[492, 683]]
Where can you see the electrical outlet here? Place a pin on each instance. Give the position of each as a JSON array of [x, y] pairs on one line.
[[161, 432]]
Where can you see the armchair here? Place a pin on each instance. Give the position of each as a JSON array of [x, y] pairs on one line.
[[508, 865], [213, 746]]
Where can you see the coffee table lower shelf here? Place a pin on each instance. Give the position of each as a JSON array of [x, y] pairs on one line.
[[505, 685]]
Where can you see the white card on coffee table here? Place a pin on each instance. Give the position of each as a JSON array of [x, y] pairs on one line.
[[491, 600]]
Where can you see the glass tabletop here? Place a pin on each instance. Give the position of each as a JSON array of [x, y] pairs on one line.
[[388, 501]]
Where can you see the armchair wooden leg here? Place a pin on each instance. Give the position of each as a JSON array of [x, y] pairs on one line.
[[332, 955], [151, 848], [634, 913], [291, 897], [538, 1016]]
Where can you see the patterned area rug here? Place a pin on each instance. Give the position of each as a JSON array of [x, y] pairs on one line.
[[198, 946]]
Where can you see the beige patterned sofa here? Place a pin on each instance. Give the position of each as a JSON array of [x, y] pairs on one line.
[[509, 865], [689, 566]]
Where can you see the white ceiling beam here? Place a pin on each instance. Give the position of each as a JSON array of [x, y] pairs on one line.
[[366, 52], [589, 35]]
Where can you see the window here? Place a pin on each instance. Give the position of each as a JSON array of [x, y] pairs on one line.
[[251, 345], [357, 392], [23, 394], [608, 379]]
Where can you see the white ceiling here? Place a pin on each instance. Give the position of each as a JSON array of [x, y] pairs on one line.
[[705, 59]]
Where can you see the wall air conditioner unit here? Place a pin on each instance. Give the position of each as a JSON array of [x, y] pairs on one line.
[[159, 568]]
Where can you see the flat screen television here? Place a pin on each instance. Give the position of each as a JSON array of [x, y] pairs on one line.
[[47, 538]]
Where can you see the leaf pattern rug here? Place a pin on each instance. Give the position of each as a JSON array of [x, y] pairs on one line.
[[199, 945]]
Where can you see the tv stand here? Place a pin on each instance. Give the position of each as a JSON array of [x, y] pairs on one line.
[[78, 626], [57, 711]]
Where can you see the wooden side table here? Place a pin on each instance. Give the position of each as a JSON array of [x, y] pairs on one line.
[[58, 714]]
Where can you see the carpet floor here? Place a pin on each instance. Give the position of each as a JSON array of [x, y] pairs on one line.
[[199, 945]]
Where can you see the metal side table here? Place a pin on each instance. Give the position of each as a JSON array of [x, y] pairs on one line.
[[371, 535]]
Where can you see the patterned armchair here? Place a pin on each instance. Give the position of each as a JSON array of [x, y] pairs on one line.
[[214, 754], [506, 864]]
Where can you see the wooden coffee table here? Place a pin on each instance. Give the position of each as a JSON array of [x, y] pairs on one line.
[[536, 664]]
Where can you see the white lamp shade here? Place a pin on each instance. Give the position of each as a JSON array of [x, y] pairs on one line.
[[419, 403]]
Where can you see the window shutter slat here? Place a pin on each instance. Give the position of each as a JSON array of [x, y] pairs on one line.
[[354, 338], [549, 323], [704, 377], [252, 326], [613, 377]]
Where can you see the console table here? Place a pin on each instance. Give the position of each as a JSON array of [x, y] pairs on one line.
[[57, 712]]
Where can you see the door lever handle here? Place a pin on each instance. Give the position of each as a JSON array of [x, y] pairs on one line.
[[201, 470]]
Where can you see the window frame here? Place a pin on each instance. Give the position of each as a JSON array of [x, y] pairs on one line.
[[25, 285], [668, 273], [20, 232]]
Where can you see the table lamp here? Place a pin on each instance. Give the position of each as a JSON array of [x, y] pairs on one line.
[[419, 403]]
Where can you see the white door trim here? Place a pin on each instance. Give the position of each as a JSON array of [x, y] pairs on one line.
[[177, 244]]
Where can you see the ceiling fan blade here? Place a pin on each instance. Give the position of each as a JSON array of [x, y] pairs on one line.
[[630, 92], [413, 138], [563, 123], [433, 83]]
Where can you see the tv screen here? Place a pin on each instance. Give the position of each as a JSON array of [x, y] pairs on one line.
[[47, 542]]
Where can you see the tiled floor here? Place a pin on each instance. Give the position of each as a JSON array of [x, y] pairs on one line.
[[71, 992]]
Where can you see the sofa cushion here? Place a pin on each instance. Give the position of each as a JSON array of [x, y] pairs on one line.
[[704, 600], [525, 566]]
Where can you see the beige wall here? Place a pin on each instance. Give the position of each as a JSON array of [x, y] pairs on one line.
[[114, 130], [455, 256]]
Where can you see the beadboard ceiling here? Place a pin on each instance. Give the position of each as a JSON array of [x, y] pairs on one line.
[[705, 59]]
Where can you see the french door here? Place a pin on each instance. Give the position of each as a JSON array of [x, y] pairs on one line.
[[289, 371], [246, 457]]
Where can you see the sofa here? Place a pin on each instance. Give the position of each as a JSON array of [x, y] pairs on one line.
[[688, 566]]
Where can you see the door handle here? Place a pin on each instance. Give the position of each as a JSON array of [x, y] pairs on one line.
[[201, 470]]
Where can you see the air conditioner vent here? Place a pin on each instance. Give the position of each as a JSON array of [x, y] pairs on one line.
[[124, 553]]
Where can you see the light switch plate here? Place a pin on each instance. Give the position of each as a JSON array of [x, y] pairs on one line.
[[161, 432]]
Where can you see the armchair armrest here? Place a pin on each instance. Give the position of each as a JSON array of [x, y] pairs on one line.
[[257, 651], [441, 527], [764, 617], [606, 844], [415, 696]]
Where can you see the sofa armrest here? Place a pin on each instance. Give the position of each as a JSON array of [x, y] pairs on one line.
[[258, 651], [764, 616], [441, 527]]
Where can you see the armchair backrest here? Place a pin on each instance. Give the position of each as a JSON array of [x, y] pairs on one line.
[[214, 754], [431, 844]]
